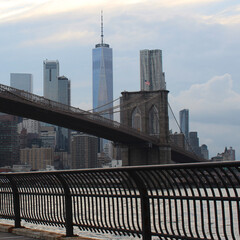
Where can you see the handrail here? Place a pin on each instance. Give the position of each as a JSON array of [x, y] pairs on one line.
[[184, 201]]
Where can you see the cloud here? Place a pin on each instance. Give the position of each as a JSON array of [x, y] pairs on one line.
[[214, 101], [214, 111], [63, 36], [227, 16]]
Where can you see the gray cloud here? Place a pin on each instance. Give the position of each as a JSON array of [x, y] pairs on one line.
[[214, 108]]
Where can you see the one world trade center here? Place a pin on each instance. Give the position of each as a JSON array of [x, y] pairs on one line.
[[102, 79]]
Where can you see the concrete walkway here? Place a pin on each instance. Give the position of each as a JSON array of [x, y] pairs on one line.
[[7, 232], [11, 236]]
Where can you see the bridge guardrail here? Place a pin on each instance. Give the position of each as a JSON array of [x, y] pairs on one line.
[[185, 201]]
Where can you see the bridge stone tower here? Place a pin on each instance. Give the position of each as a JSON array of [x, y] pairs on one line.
[[146, 111]]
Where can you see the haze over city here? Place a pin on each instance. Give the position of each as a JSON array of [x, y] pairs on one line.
[[199, 40]]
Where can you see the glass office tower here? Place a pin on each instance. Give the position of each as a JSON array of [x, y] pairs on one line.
[[50, 79], [102, 79], [102, 70], [22, 81]]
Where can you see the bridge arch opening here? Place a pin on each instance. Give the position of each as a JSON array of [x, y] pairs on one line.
[[137, 119], [153, 124]]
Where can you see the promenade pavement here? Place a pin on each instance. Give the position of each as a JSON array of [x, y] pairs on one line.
[[11, 236], [7, 232]]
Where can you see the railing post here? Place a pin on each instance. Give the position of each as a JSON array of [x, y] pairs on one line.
[[145, 206], [16, 202], [68, 206]]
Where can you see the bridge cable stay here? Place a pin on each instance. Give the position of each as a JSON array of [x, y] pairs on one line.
[[185, 139], [91, 110], [114, 107], [106, 111]]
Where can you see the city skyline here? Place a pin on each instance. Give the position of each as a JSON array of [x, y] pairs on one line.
[[199, 40]]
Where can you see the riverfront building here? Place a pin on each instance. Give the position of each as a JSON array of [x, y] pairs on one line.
[[102, 70], [9, 141], [227, 155], [84, 150], [152, 76], [37, 158]]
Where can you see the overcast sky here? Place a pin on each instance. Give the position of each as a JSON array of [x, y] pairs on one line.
[[200, 40]]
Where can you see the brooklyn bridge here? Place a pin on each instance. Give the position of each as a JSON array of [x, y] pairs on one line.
[[141, 147]]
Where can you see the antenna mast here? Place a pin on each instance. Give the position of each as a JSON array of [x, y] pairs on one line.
[[101, 27]]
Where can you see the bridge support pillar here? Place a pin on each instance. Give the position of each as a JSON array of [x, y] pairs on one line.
[[146, 155]]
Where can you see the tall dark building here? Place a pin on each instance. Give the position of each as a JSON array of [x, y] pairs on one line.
[[84, 150], [9, 141], [184, 122], [64, 97], [194, 143]]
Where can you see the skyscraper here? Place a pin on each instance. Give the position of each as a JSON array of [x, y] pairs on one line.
[[64, 97], [50, 79], [57, 88], [184, 122], [102, 79], [64, 86], [22, 81], [152, 76], [194, 143], [102, 76]]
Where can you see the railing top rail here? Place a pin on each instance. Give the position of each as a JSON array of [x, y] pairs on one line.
[[136, 168]]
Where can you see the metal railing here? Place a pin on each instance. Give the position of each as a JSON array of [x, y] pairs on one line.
[[187, 201]]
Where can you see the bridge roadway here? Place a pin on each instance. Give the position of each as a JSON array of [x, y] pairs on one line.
[[24, 104]]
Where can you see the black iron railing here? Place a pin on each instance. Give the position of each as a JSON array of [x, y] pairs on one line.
[[188, 201]]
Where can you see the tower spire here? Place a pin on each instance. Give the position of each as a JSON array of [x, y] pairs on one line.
[[101, 27]]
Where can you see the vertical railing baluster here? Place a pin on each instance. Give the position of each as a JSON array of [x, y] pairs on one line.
[[16, 202], [145, 206], [68, 206]]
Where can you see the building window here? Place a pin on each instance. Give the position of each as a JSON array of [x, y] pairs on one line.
[[153, 121], [136, 119]]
